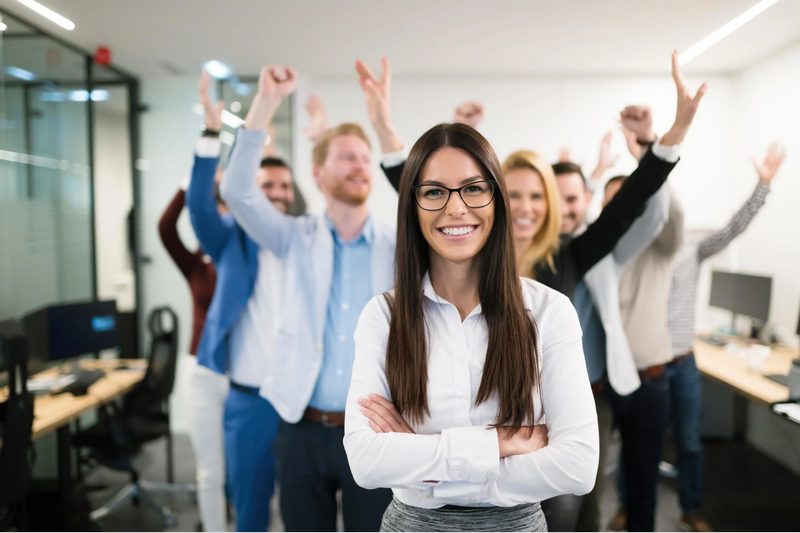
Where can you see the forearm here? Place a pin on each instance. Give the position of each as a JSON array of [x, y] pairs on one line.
[[248, 205], [645, 229], [388, 138], [392, 166], [718, 241], [202, 207]]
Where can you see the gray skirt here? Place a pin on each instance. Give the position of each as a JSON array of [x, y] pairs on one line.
[[402, 517]]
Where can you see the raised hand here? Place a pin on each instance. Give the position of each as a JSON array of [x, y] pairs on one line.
[[213, 112], [639, 120], [469, 113], [275, 82], [634, 147], [318, 118], [606, 159], [687, 106], [378, 96], [772, 162], [563, 155], [383, 416], [521, 443]]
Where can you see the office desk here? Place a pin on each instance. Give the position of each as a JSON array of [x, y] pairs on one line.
[[54, 413], [732, 371]]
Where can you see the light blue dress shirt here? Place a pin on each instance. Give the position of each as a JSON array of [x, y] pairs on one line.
[[351, 290], [594, 335]]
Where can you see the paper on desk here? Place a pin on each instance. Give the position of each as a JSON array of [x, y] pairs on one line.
[[47, 383], [792, 410]]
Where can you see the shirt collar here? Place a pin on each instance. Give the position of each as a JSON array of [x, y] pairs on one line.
[[430, 293], [367, 232]]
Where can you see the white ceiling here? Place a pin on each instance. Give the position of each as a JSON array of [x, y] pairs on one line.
[[421, 37]]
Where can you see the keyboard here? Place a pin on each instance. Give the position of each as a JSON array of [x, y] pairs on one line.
[[714, 341], [778, 378], [84, 380]]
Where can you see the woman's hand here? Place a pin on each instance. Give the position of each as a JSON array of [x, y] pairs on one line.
[[275, 82], [317, 118], [378, 96], [383, 416], [520, 443], [687, 106]]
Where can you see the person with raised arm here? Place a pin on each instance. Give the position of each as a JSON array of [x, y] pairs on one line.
[[459, 368], [239, 334], [685, 388], [333, 264]]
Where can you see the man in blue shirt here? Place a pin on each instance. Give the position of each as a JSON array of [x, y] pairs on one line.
[[332, 266]]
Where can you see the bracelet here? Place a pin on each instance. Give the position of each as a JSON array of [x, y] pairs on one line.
[[210, 133]]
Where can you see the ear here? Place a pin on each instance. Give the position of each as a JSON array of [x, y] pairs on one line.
[[317, 172]]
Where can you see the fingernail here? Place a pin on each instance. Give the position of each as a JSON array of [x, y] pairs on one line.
[[361, 401], [364, 411], [373, 396]]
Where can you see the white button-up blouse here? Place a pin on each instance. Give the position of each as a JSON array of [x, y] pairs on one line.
[[455, 445]]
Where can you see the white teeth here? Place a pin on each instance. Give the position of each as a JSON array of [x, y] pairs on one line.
[[458, 231], [523, 221]]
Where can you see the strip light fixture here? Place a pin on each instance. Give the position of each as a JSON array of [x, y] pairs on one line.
[[724, 31], [46, 12]]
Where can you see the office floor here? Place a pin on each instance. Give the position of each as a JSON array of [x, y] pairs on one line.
[[746, 491]]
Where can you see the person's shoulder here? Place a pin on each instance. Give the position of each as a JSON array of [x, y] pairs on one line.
[[374, 321], [542, 301]]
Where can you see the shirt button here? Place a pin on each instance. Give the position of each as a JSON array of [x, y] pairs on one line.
[[343, 338], [345, 307], [464, 399], [319, 347], [347, 276], [461, 358], [339, 372]]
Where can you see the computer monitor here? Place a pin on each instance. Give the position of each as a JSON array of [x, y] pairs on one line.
[[742, 294], [58, 332]]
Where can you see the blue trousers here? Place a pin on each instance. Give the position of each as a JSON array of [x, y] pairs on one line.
[[686, 405], [251, 424], [685, 411]]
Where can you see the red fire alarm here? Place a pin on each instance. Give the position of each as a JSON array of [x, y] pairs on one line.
[[102, 56]]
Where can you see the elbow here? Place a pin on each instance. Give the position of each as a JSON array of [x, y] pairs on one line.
[[364, 474], [586, 474]]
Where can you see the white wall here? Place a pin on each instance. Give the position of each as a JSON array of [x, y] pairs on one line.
[[769, 109], [168, 135]]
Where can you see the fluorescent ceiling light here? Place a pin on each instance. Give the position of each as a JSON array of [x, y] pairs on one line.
[[724, 31], [20, 73], [217, 69], [98, 95], [3, 26], [49, 13]]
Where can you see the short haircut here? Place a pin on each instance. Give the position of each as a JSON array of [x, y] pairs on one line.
[[275, 162], [563, 168], [320, 152]]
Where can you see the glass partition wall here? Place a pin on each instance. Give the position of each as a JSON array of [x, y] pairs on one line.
[[67, 187]]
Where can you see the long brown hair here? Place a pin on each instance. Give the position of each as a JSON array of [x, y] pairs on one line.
[[511, 368]]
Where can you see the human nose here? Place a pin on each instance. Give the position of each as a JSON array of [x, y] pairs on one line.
[[455, 205]]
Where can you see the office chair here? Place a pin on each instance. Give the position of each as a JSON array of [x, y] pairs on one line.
[[16, 421], [143, 417]]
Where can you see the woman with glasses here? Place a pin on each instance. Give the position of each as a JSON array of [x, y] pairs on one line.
[[473, 358]]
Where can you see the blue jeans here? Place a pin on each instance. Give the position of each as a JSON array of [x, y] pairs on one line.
[[642, 420], [251, 424], [685, 413]]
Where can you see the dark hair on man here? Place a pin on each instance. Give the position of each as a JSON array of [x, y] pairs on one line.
[[615, 179], [512, 366], [562, 168], [274, 162]]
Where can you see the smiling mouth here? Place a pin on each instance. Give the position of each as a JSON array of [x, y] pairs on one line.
[[457, 231], [523, 221], [357, 180]]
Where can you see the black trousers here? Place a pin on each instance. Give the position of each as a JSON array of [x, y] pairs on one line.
[[312, 466], [642, 420]]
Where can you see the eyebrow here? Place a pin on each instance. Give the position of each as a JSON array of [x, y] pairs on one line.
[[463, 182]]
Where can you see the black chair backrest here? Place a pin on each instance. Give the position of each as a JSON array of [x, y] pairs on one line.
[[17, 417], [159, 379]]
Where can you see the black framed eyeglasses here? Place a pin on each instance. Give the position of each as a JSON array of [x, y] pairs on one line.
[[435, 197]]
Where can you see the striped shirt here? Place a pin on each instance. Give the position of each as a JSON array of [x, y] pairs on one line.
[[686, 270]]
